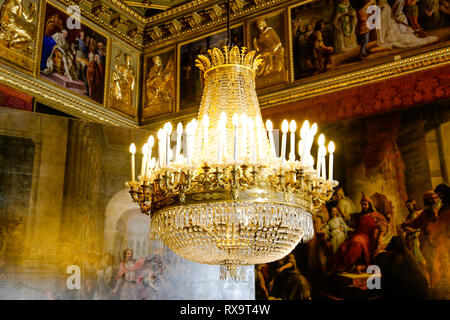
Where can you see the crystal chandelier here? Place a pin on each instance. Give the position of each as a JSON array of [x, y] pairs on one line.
[[229, 200]]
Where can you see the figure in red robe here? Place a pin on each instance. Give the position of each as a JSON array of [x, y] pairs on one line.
[[360, 248]]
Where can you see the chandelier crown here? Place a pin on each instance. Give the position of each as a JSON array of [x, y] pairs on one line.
[[227, 56]]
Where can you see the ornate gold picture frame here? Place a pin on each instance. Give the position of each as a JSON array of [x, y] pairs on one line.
[[124, 90], [19, 29], [76, 60], [158, 84]]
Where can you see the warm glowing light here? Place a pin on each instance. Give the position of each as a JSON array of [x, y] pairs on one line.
[[269, 125], [331, 147], [179, 128], [321, 140], [151, 141], [235, 120], [132, 148], [284, 126], [292, 126]]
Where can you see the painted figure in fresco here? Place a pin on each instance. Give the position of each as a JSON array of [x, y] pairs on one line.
[[128, 280], [269, 46], [402, 277], [423, 222], [357, 252], [103, 285], [440, 242], [412, 235], [395, 31], [412, 13], [336, 229], [93, 76], [123, 81], [159, 84], [346, 205], [319, 54], [261, 281], [289, 283], [432, 13], [151, 276], [362, 30], [301, 33], [17, 24], [344, 23]]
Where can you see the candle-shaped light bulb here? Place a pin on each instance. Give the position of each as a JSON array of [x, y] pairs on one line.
[[161, 147], [321, 161], [304, 134], [133, 152], [144, 160], [168, 131], [235, 121], [178, 147], [152, 164], [150, 144], [320, 142], [284, 130], [251, 130], [269, 128], [292, 128], [331, 149], [311, 133], [188, 142]]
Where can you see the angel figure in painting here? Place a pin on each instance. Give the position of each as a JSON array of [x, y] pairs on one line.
[[269, 46], [17, 24]]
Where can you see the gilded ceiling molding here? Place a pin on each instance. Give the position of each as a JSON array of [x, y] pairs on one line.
[[62, 101]]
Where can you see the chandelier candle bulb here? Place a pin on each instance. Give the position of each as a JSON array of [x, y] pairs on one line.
[[168, 132], [331, 149], [188, 141], [292, 128], [235, 125], [269, 127], [161, 147], [284, 129], [320, 142], [178, 147], [323, 153], [150, 144], [144, 160], [132, 151], [304, 134], [312, 133]]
